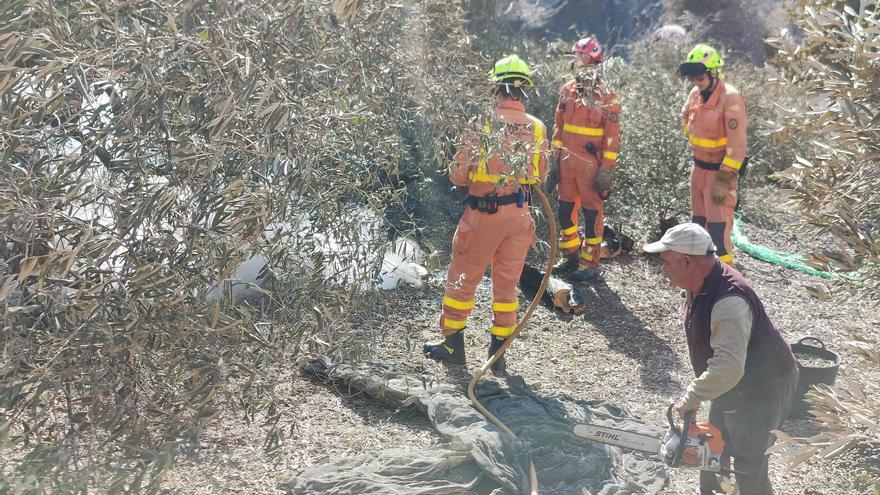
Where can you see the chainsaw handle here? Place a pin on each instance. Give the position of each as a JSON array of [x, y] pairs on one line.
[[669, 418], [689, 417]]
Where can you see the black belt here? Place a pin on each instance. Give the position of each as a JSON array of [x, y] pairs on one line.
[[490, 202], [706, 165]]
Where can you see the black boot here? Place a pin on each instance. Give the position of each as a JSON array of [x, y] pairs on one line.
[[567, 264], [500, 367], [450, 351], [585, 275]]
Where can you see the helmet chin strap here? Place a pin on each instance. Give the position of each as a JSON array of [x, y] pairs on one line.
[[712, 81]]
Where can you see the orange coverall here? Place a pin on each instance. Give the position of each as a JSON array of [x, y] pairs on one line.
[[716, 129], [587, 131], [501, 238]]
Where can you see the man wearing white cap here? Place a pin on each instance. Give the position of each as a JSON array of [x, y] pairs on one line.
[[741, 362]]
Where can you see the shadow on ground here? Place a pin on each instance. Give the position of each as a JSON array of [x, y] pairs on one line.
[[627, 335]]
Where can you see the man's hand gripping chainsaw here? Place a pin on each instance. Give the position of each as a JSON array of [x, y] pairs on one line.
[[700, 447]]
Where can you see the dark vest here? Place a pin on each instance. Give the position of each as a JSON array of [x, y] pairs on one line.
[[767, 355]]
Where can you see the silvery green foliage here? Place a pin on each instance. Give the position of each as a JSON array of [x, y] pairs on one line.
[[835, 179], [148, 149], [835, 182]]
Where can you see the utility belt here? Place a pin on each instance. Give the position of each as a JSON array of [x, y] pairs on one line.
[[490, 202], [706, 165], [717, 166]]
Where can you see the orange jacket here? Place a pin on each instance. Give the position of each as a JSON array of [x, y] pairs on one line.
[[480, 165], [716, 128], [592, 118]]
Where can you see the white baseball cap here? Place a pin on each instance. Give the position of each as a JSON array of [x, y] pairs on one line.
[[685, 238]]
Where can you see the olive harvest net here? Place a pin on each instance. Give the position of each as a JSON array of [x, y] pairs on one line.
[[476, 457]]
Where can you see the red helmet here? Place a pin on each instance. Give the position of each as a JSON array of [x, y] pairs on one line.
[[590, 46]]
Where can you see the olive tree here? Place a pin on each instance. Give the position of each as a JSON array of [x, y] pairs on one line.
[[835, 182], [148, 149]]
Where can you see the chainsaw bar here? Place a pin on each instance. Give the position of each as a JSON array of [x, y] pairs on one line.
[[618, 438]]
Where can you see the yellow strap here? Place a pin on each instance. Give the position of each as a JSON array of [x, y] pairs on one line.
[[609, 155], [483, 164], [730, 162], [505, 307], [583, 131], [454, 324], [456, 304], [570, 243], [502, 331], [557, 143], [538, 128], [593, 240], [571, 230], [707, 143]]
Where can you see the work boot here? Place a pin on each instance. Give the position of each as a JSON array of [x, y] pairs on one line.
[[585, 275], [567, 264], [450, 351], [499, 369]]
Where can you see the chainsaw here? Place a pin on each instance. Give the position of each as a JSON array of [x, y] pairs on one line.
[[701, 447]]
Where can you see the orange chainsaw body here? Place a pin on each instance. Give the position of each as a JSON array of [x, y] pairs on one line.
[[703, 446]]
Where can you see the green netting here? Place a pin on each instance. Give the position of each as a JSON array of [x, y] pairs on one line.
[[763, 253]]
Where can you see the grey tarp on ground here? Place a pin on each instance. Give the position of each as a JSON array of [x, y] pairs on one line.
[[478, 458]]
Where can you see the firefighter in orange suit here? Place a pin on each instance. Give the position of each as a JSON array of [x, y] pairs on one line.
[[497, 164], [714, 118], [586, 138]]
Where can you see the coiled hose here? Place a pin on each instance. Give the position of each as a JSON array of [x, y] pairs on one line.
[[551, 224]]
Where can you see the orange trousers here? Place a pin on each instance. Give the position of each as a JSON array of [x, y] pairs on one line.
[[716, 218], [577, 175], [502, 239]]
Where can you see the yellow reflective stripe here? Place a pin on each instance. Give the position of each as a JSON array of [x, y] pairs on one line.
[[454, 324], [730, 162], [707, 143], [727, 258], [456, 304], [586, 255], [502, 331], [570, 243], [505, 307], [571, 230], [484, 177], [609, 155], [557, 143], [583, 131], [593, 240]]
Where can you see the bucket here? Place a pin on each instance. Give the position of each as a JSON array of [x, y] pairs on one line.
[[816, 364]]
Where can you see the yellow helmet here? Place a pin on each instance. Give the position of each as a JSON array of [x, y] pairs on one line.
[[511, 69], [701, 59]]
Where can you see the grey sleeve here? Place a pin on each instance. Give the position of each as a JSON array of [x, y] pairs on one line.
[[730, 331]]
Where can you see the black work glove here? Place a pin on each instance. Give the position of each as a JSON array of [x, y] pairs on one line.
[[553, 175], [603, 183]]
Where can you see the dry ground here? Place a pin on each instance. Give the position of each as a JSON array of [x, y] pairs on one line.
[[629, 348]]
